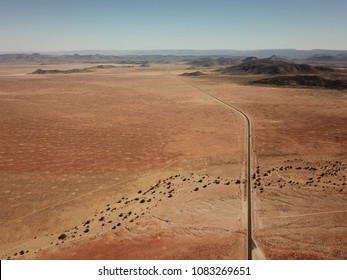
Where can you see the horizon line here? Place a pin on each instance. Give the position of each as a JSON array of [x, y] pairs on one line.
[[166, 49]]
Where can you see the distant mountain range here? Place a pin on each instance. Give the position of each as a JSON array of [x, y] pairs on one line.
[[286, 53], [195, 58]]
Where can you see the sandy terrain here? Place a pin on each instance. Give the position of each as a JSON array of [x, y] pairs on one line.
[[77, 149], [299, 153], [136, 163]]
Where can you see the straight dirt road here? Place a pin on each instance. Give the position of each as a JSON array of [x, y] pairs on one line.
[[248, 144]]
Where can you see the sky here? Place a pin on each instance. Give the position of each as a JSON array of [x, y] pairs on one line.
[[66, 25]]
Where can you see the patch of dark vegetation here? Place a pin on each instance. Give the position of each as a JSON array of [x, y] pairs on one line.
[[62, 236], [303, 81], [193, 74]]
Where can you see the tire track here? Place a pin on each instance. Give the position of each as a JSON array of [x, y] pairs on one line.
[[309, 214]]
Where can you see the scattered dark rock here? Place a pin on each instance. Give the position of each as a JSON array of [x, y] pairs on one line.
[[62, 236]]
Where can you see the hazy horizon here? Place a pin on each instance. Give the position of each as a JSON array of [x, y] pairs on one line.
[[44, 26], [169, 50]]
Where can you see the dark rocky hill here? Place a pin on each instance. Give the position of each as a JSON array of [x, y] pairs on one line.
[[210, 62], [270, 66], [193, 74], [304, 81], [70, 71], [318, 58]]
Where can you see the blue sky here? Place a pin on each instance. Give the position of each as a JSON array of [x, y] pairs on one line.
[[44, 25]]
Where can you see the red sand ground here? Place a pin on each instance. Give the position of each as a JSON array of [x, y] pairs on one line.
[[300, 151], [76, 150], [73, 144]]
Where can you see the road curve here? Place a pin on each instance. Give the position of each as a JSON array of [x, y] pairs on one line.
[[250, 241]]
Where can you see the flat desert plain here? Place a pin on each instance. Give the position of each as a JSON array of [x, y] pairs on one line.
[[140, 163]]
